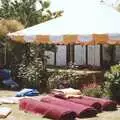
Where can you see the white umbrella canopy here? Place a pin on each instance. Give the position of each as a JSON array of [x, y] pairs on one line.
[[84, 22]]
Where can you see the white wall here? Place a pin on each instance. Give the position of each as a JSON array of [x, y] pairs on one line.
[[94, 55], [61, 55], [80, 55]]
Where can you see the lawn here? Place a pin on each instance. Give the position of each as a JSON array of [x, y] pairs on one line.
[[20, 115]]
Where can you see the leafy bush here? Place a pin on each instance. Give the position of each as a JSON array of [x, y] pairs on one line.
[[31, 70], [64, 79], [93, 90], [112, 82], [68, 78]]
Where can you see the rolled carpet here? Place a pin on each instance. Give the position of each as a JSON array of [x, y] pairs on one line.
[[107, 105], [82, 111], [46, 110], [88, 102]]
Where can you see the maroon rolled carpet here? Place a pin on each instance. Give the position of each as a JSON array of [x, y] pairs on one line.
[[87, 102], [107, 105], [46, 110], [82, 111]]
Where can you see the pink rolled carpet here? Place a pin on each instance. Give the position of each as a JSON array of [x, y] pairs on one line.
[[87, 102], [47, 110], [107, 105], [82, 111]]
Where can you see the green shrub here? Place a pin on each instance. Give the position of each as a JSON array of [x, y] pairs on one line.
[[63, 79], [31, 71], [95, 91], [68, 78], [112, 82]]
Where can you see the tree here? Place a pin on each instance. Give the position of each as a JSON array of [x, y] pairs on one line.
[[30, 71], [7, 26], [25, 11]]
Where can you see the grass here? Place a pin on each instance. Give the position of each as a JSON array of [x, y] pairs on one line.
[[20, 115]]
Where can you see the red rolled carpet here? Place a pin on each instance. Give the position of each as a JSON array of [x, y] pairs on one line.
[[47, 110], [81, 110], [107, 105], [88, 102]]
